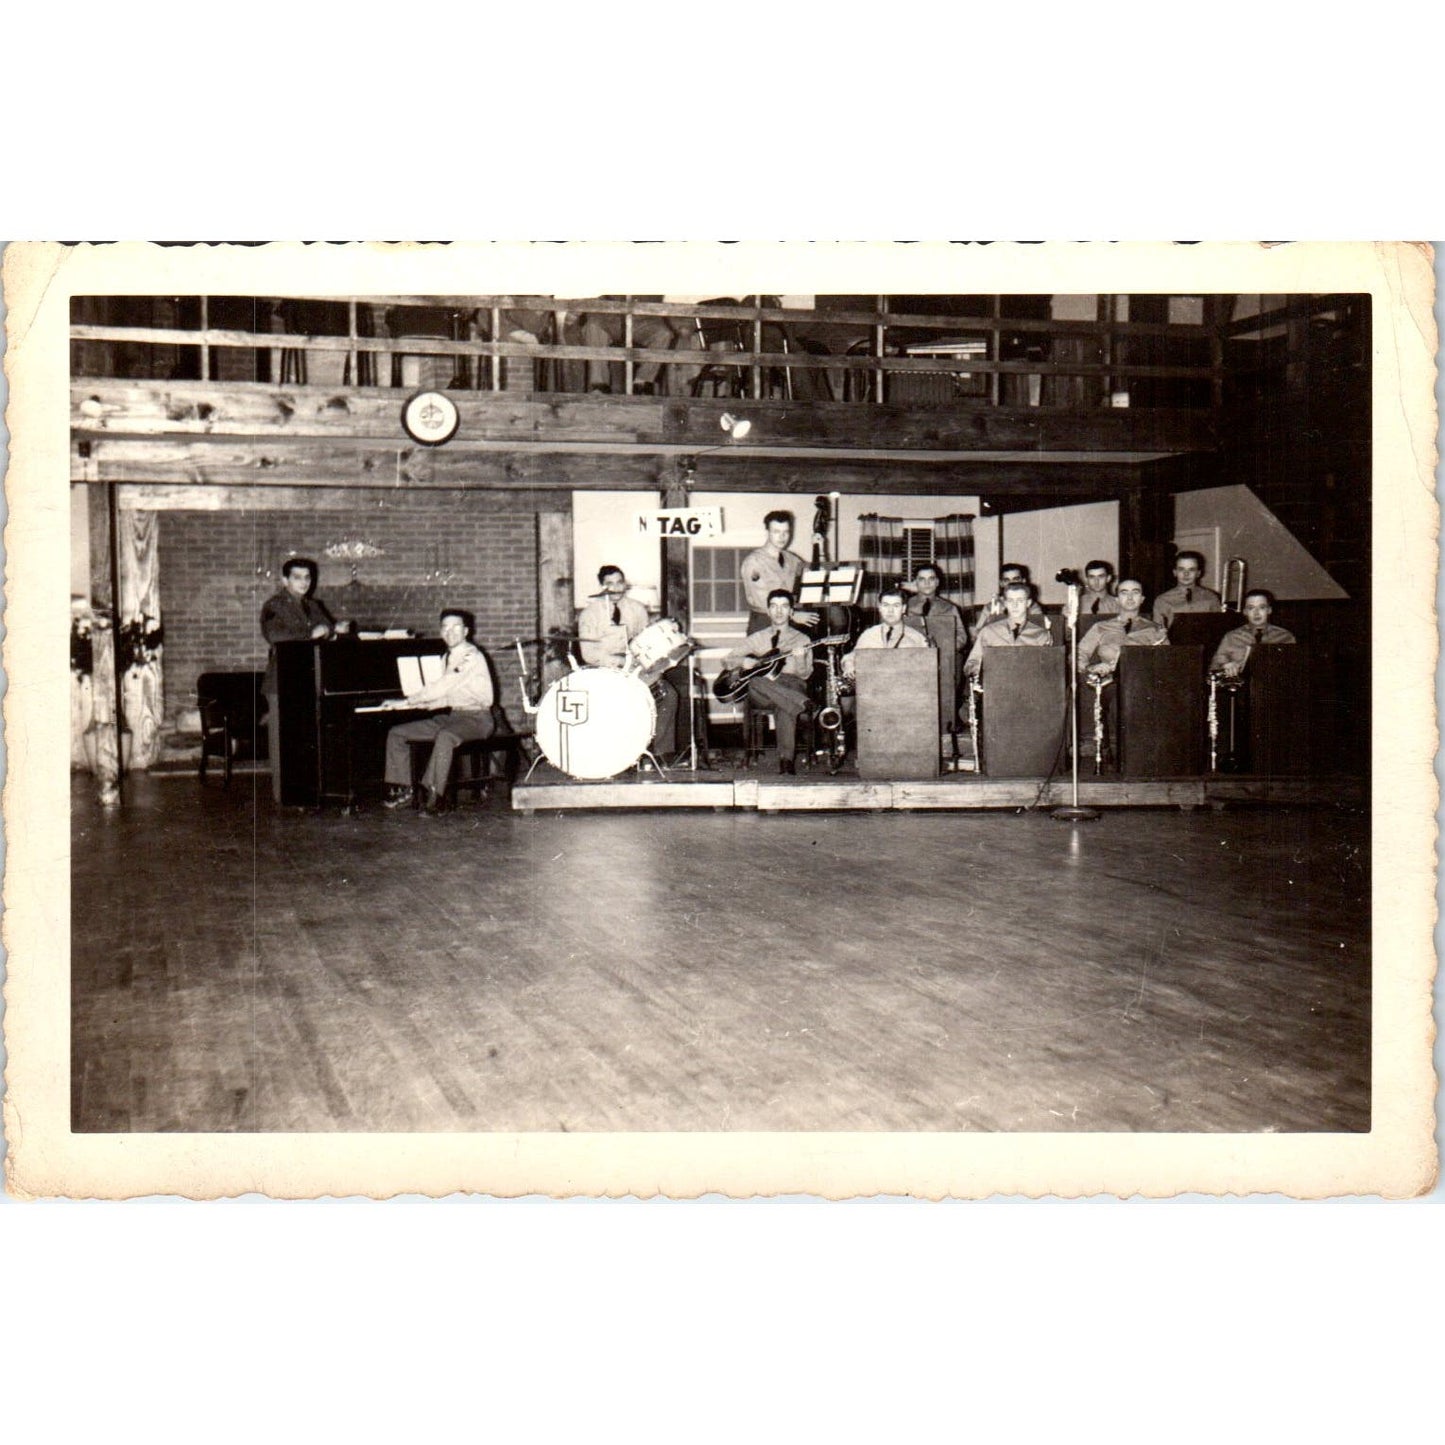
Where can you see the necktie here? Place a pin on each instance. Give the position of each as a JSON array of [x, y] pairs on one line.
[[616, 615], [773, 646], [1258, 636], [1189, 594], [1095, 608], [1128, 626], [888, 638], [927, 603], [1017, 630]]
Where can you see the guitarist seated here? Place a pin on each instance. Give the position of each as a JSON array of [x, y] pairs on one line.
[[778, 648]]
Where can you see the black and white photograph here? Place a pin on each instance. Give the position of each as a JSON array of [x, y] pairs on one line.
[[904, 720]]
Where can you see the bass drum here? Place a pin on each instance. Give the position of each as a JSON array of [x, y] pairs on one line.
[[595, 722]]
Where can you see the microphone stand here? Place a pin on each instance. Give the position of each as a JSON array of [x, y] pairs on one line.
[[1072, 812]]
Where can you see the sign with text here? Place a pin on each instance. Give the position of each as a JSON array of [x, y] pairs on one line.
[[680, 522]]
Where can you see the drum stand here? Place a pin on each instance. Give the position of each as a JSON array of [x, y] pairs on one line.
[[692, 765]]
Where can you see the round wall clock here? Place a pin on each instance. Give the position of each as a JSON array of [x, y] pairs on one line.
[[430, 417]]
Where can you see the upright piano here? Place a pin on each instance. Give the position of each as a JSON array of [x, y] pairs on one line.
[[326, 748]]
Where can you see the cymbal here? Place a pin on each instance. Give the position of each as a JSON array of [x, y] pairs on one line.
[[549, 637]]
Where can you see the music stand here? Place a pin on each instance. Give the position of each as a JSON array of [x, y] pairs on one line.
[[838, 586]]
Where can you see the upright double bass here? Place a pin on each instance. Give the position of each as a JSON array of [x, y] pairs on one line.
[[837, 620]]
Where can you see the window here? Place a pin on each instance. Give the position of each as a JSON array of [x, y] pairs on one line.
[[917, 546], [717, 587]]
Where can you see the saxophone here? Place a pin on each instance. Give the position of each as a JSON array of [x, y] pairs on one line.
[[830, 715]]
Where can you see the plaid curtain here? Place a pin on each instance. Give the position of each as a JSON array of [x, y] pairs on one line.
[[880, 547], [953, 556]]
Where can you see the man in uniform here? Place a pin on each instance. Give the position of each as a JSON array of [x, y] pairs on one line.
[[1099, 647], [942, 624], [1016, 628], [291, 614], [772, 568], [786, 695], [462, 699], [608, 622], [1188, 595], [994, 609], [1098, 598], [1232, 654]]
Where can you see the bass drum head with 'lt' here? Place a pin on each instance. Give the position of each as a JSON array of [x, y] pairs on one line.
[[595, 722]]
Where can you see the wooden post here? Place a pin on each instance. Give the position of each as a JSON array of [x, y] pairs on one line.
[[107, 715], [675, 602], [138, 590], [555, 613]]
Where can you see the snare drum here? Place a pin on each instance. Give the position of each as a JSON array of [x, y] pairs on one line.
[[657, 648], [595, 722]]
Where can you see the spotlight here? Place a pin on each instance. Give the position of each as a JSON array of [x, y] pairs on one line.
[[736, 426]]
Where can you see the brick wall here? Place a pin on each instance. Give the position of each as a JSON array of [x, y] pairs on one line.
[[211, 596]]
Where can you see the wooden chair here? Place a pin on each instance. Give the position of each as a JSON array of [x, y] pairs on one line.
[[233, 710]]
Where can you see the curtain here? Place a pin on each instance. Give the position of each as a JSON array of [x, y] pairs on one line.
[[953, 555], [880, 549]]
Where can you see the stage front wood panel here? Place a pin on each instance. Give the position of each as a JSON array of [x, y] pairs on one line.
[[1161, 711], [1024, 710], [1283, 734], [897, 712]]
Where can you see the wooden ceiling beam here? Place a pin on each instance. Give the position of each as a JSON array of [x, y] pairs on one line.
[[103, 407], [270, 462]]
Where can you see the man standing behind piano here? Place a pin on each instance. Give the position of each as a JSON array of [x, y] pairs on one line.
[[608, 622], [291, 614], [462, 699]]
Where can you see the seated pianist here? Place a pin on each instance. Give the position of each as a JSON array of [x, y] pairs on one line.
[[1100, 647], [786, 695], [1016, 628], [462, 697], [1232, 654]]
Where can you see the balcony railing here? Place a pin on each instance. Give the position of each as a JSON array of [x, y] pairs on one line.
[[752, 351]]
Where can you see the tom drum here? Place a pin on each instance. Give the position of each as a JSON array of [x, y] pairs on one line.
[[659, 647]]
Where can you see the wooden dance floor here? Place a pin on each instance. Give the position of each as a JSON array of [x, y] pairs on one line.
[[236, 968]]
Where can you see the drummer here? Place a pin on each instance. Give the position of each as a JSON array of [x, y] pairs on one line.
[[609, 621]]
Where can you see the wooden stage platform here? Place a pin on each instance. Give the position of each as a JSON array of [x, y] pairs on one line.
[[550, 790]]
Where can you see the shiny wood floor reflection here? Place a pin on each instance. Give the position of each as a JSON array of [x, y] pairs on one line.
[[238, 970]]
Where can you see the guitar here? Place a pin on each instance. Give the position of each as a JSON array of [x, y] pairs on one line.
[[731, 685]]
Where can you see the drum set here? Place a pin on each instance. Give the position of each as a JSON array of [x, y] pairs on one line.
[[596, 722]]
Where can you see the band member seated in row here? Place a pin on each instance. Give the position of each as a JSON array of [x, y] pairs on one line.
[[891, 632], [772, 568], [994, 608], [1016, 628], [1098, 599], [463, 696], [1188, 595], [609, 621], [942, 623], [1233, 651], [1100, 646], [785, 695], [292, 614]]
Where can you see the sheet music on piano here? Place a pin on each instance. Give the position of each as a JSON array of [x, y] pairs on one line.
[[412, 673]]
